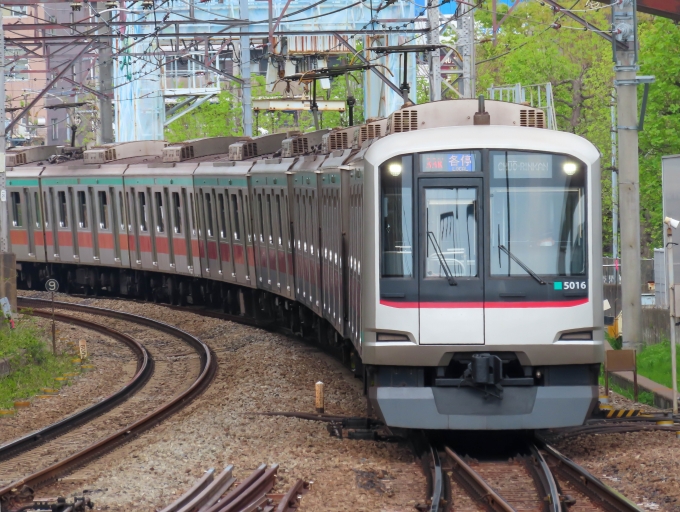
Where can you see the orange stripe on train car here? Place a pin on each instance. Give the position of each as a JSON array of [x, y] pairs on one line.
[[180, 247], [225, 252], [18, 237], [64, 238], [162, 245], [106, 241]]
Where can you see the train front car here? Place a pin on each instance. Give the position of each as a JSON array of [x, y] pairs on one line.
[[482, 307]]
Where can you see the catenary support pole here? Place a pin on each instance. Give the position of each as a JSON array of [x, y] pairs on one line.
[[4, 221], [615, 202], [625, 28], [671, 303], [245, 75], [435, 59], [105, 63]]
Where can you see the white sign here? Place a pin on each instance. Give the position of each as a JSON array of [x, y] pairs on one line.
[[3, 195]]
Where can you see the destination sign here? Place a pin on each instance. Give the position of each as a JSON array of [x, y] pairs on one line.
[[448, 162], [522, 165]]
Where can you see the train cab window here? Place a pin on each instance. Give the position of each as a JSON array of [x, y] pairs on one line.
[[142, 211], [103, 209], [278, 208], [121, 210], [82, 209], [451, 214], [17, 220], [176, 212], [538, 214], [160, 220], [223, 216], [396, 192], [236, 216], [46, 209], [63, 214], [36, 204], [269, 215]]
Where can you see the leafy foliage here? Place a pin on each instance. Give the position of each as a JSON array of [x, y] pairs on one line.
[[224, 118]]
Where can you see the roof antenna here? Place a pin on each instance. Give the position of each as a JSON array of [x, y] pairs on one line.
[[482, 117]]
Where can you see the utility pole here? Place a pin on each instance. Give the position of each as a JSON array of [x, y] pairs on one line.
[[4, 221], [435, 59], [624, 21], [105, 63], [245, 73], [615, 200], [466, 48]]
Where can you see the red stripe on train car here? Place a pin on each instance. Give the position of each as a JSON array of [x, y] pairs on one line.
[[195, 247], [251, 253], [479, 305], [49, 238], [180, 246], [272, 259], [106, 241], [238, 254], [145, 243], [38, 238], [132, 242], [225, 252], [282, 262], [162, 245], [212, 250], [18, 237], [123, 239], [64, 238], [85, 240]]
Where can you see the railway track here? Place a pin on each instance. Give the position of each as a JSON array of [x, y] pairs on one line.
[[170, 380], [535, 478]]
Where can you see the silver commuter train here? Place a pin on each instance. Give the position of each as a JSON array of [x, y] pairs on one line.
[[448, 253]]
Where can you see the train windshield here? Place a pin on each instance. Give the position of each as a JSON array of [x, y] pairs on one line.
[[538, 214]]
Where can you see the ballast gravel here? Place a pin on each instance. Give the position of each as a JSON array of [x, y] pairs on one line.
[[643, 466], [114, 365], [258, 372]]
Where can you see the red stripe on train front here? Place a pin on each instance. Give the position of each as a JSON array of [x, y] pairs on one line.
[[479, 305]]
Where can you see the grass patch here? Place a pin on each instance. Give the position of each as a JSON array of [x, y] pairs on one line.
[[644, 397], [31, 360], [654, 362]]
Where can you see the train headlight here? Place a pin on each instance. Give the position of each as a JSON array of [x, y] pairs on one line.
[[395, 169], [570, 168]]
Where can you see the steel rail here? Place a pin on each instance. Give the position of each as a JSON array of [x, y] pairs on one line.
[[291, 500], [547, 480], [476, 484], [207, 372], [437, 504], [600, 494], [144, 370]]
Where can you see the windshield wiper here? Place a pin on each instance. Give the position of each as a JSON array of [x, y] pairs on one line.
[[517, 260], [442, 260]]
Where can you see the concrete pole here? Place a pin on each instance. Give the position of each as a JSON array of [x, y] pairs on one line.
[[466, 46], [4, 220], [615, 189], [246, 99], [105, 63], [671, 303], [435, 60], [625, 27]]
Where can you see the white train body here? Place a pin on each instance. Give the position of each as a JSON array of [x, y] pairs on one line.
[[450, 254]]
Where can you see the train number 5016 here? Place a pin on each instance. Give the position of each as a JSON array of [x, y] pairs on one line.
[[575, 285]]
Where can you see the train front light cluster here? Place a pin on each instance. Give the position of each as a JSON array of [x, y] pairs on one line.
[[395, 169], [570, 168]]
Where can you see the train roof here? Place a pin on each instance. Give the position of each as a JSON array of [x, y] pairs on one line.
[[232, 168], [162, 169]]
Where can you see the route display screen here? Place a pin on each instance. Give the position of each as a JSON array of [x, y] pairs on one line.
[[468, 161], [522, 165]]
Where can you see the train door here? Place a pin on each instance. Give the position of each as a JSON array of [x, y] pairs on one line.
[[134, 225], [50, 206], [116, 215], [226, 247], [94, 233], [171, 227], [30, 226], [450, 273], [75, 246]]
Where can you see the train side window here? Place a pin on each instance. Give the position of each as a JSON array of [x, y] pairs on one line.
[[278, 208], [63, 215], [235, 213], [17, 220], [396, 191], [269, 212], [121, 210], [223, 216], [82, 209], [176, 205], [36, 200], [142, 211], [193, 214], [208, 214], [46, 209], [103, 210], [160, 221], [261, 211]]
